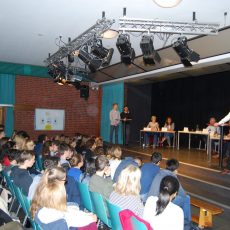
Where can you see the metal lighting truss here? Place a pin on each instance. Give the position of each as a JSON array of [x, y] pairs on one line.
[[167, 27], [86, 37]]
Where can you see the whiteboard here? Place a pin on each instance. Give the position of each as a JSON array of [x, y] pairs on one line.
[[49, 119]]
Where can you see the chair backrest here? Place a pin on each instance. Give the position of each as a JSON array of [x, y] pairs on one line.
[[85, 196], [9, 182], [137, 225], [100, 208], [114, 215]]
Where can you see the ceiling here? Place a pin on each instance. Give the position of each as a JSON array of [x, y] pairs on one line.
[[29, 27]]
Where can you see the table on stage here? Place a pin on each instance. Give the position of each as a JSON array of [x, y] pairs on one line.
[[147, 131], [190, 133]]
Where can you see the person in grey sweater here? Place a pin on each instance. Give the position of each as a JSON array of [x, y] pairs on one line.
[[114, 122]]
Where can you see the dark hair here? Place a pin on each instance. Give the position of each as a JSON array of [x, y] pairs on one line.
[[99, 150], [169, 186], [172, 164], [101, 162], [166, 122], [76, 159], [13, 154], [41, 138], [25, 155], [63, 147], [56, 142], [23, 134], [50, 162], [46, 148], [89, 144], [156, 157], [90, 167]]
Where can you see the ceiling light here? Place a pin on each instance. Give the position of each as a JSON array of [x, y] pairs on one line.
[[124, 47], [150, 55], [186, 54], [167, 3], [109, 34], [101, 52]]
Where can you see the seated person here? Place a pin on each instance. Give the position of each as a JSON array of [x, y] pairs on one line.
[[49, 205], [101, 182], [154, 125], [115, 160], [12, 155], [182, 199], [160, 212], [65, 155], [76, 163], [88, 149], [139, 161], [20, 174], [89, 171], [126, 192], [148, 172], [170, 127]]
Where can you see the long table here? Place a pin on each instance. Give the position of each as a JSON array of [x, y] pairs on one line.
[[143, 132], [190, 133]]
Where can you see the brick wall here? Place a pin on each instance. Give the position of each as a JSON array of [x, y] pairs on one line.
[[80, 115]]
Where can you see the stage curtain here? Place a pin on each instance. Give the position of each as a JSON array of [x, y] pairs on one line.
[[112, 93], [7, 96]]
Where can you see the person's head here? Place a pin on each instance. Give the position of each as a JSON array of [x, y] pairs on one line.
[[20, 142], [172, 165], [169, 187], [99, 151], [153, 119], [67, 140], [55, 145], [23, 134], [116, 152], [42, 138], [65, 151], [13, 155], [129, 181], [46, 148], [139, 161], [168, 121], [50, 192], [2, 133], [89, 144], [126, 109], [76, 160], [90, 168], [115, 106], [51, 162], [62, 137], [212, 121], [29, 145], [102, 165], [156, 158], [98, 142], [26, 159]]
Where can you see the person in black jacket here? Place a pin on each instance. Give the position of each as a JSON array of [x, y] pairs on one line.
[[126, 119]]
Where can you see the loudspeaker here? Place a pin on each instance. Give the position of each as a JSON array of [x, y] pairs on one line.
[[84, 91]]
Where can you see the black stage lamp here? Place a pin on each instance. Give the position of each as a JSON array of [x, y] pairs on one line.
[[186, 54], [92, 62], [101, 52], [150, 55], [124, 47]]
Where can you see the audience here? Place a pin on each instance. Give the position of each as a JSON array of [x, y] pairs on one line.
[[88, 149], [116, 154], [65, 155], [51, 209], [148, 173], [126, 192], [76, 163], [160, 212], [90, 170], [101, 182]]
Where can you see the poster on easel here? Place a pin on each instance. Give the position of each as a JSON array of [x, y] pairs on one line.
[[49, 119]]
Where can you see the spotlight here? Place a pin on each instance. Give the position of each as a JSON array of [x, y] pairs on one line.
[[124, 47], [57, 71], [101, 52], [70, 58], [92, 62], [186, 54], [149, 53]]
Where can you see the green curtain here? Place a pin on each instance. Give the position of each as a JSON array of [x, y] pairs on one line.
[[7, 96], [111, 93]]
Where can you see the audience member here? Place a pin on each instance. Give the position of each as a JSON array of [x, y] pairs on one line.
[[90, 170], [65, 155], [116, 154], [160, 212], [126, 192], [148, 173], [76, 163], [139, 161], [88, 150], [39, 145]]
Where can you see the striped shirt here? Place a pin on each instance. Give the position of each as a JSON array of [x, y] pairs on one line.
[[131, 202]]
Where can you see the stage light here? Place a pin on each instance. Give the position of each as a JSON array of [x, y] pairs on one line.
[[70, 58], [109, 34], [186, 54], [92, 62], [124, 47], [101, 52], [167, 3], [150, 55]]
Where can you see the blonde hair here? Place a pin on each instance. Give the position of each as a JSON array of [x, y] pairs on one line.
[[116, 152], [20, 142], [29, 145], [129, 181], [50, 193]]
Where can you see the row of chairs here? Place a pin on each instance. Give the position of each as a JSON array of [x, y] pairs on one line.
[[94, 202], [22, 200]]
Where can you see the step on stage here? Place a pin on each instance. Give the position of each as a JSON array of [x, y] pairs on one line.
[[199, 177]]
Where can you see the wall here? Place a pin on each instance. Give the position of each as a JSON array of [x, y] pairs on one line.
[[33, 92]]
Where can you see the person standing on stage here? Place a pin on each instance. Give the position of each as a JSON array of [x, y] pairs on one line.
[[114, 122], [126, 118]]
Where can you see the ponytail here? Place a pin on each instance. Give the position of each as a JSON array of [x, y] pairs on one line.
[[169, 186], [163, 200]]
